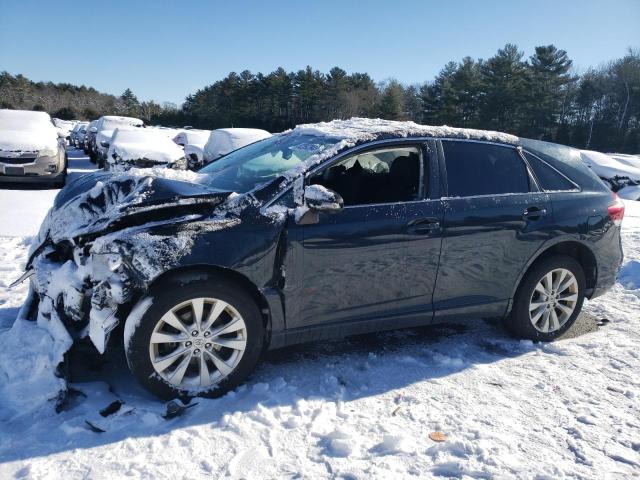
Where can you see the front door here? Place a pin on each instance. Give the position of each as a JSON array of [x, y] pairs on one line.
[[378, 256]]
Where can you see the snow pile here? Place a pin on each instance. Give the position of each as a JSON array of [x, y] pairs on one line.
[[23, 131], [28, 361], [226, 140]]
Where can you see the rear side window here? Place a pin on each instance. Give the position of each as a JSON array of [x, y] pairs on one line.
[[548, 177], [483, 169]]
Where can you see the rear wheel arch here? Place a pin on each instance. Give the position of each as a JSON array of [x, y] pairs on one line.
[[571, 248]]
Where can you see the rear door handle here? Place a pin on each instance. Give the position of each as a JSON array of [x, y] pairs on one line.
[[423, 226], [534, 213]]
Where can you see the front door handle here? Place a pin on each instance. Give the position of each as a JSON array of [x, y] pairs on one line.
[[534, 213], [423, 226]]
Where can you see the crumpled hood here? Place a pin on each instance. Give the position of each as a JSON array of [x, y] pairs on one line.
[[28, 141], [101, 202]]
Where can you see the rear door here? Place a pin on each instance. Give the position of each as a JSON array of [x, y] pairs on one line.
[[495, 219]]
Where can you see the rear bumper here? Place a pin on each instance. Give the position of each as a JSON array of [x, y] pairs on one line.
[[609, 259]]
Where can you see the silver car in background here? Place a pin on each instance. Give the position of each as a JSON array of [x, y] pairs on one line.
[[32, 149], [74, 136]]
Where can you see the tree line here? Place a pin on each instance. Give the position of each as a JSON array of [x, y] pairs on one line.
[[540, 96]]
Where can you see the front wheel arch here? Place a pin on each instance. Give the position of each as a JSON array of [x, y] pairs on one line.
[[203, 270]]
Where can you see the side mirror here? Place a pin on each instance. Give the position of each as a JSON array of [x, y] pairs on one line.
[[317, 199], [93, 129], [321, 199], [104, 143]]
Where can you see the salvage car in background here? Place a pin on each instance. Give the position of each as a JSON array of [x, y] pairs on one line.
[[225, 140], [193, 142], [615, 172], [64, 126], [74, 136], [32, 149], [90, 138], [104, 130], [142, 148], [323, 231]]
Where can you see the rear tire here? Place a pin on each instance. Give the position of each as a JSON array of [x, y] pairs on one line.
[[544, 314], [149, 351]]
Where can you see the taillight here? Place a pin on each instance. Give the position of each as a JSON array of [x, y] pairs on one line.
[[616, 210]]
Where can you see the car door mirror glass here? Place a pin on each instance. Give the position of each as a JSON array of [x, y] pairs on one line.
[[321, 199]]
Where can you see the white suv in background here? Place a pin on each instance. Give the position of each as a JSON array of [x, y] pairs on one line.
[[105, 127]]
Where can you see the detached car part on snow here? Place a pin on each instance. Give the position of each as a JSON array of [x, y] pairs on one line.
[[334, 229]]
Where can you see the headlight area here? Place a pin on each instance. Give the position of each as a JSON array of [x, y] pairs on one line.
[[48, 152], [82, 289], [113, 285]]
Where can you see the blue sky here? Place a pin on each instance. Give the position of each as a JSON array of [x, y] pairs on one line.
[[164, 50]]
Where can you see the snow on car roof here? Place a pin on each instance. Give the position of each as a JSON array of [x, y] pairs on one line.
[[199, 137], [109, 122], [226, 140], [358, 130]]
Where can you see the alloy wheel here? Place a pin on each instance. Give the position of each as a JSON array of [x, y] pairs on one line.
[[197, 343], [553, 300]]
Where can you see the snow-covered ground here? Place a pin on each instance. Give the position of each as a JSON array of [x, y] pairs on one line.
[[359, 408]]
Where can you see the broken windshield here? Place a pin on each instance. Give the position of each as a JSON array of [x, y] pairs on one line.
[[244, 169]]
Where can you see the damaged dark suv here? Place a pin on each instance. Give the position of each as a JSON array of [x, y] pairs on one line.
[[323, 231]]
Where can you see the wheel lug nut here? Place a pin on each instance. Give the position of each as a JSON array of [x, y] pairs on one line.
[[207, 345], [206, 334], [194, 333], [187, 344], [196, 351]]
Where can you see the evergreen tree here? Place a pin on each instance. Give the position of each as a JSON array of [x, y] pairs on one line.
[[391, 105], [505, 79], [548, 83], [130, 102]]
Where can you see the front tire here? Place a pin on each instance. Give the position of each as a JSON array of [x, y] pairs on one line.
[[548, 300], [194, 337]]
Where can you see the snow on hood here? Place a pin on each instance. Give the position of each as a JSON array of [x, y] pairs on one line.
[[97, 201], [28, 141], [25, 131], [131, 145]]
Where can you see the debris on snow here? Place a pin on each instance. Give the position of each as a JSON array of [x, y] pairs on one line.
[[175, 408]]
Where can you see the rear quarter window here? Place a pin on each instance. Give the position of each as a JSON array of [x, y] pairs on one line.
[[483, 169], [548, 177]]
